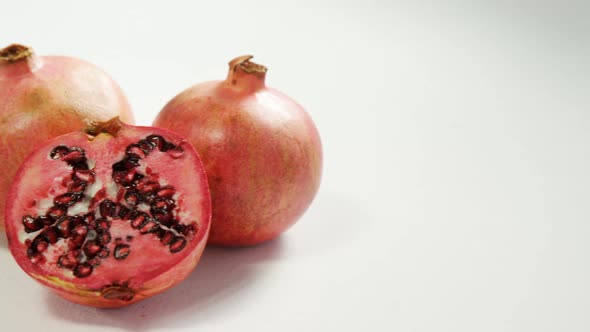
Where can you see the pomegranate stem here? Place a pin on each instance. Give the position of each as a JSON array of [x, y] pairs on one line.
[[14, 53], [246, 75]]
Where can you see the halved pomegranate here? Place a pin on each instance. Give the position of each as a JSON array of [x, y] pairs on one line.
[[110, 215]]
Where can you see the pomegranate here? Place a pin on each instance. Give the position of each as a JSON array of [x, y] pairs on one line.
[[111, 215], [261, 150], [44, 97]]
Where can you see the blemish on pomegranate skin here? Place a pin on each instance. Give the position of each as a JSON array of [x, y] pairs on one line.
[[36, 98]]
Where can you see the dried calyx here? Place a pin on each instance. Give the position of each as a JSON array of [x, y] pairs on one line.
[[246, 75], [14, 53]]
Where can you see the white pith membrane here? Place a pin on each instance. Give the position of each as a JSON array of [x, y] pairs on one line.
[[143, 251]]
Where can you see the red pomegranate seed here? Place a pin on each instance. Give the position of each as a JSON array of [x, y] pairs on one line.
[[178, 243], [166, 192], [82, 270], [122, 251]]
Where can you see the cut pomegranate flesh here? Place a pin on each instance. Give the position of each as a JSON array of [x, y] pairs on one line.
[[109, 218]]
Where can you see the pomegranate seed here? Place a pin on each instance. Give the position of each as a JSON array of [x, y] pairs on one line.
[[51, 234], [121, 166], [120, 194], [163, 205], [132, 198], [156, 141], [65, 227], [67, 261], [148, 187], [149, 198], [107, 208], [166, 192], [146, 146], [98, 196], [119, 176], [94, 262], [122, 251], [163, 217], [167, 147], [180, 228], [84, 175], [178, 243], [41, 246], [81, 230], [92, 248], [102, 225], [124, 213], [56, 212], [149, 227], [167, 238], [104, 237], [58, 152], [31, 224], [44, 220], [66, 200], [77, 187], [88, 218], [134, 149], [82, 270], [82, 165], [75, 242], [104, 253], [131, 161], [139, 220], [74, 156]]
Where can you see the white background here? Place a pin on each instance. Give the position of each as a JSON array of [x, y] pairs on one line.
[[456, 184]]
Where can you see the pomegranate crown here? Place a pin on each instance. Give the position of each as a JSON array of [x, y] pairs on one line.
[[14, 53]]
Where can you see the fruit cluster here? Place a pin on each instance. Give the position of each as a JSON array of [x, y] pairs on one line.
[[88, 199]]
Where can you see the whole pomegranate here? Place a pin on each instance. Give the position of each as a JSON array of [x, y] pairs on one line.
[[261, 150], [44, 97], [109, 216]]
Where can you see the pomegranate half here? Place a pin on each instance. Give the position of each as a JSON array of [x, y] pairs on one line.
[[261, 150], [42, 97], [111, 215]]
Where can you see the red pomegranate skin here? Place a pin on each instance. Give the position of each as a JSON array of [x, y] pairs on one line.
[[261, 150], [42, 97]]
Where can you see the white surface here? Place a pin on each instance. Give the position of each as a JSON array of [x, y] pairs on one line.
[[456, 181]]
